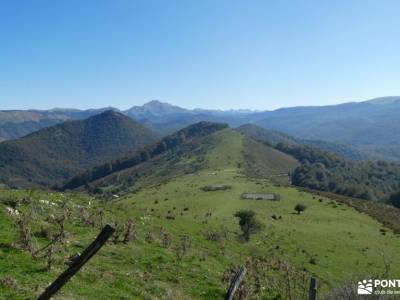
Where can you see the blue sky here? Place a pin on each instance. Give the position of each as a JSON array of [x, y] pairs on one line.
[[209, 54]]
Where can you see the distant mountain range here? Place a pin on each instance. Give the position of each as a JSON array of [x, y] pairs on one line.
[[369, 129], [162, 117], [18, 123], [273, 138], [56, 153], [372, 126]]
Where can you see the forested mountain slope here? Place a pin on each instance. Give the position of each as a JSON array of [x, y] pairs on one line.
[[326, 171], [58, 152], [321, 170]]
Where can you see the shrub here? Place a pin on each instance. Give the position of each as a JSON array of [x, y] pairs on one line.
[[182, 248], [130, 234], [13, 203], [166, 240], [42, 233], [313, 261], [25, 236], [299, 208], [9, 282], [248, 223], [212, 236], [149, 237]]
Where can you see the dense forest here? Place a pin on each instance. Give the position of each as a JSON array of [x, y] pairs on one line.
[[56, 153], [320, 170], [193, 131]]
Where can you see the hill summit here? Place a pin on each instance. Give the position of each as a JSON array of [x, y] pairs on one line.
[[58, 152]]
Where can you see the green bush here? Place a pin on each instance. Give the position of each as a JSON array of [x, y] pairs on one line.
[[248, 223]]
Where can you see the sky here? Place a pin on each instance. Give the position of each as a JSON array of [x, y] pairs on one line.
[[210, 54]]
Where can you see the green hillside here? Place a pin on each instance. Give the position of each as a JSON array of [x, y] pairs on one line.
[[186, 240], [254, 159], [173, 146], [56, 153]]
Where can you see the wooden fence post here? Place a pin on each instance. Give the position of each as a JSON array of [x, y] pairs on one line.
[[235, 283], [64, 277], [312, 293]]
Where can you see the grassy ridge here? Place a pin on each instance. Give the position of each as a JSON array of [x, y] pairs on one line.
[[266, 162], [170, 143]]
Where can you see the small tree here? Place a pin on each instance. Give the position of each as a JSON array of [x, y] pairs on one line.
[[130, 234], [50, 257], [166, 240], [182, 248], [25, 236], [300, 208], [248, 223]]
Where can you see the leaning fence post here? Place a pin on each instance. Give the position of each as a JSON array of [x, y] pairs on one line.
[[235, 283], [312, 293], [64, 277]]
